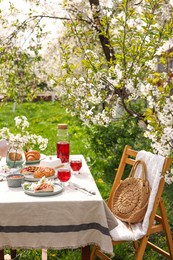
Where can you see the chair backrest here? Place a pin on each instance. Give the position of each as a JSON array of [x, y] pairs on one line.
[[128, 158]]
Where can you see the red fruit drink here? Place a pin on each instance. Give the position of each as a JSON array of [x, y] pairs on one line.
[[76, 165], [63, 174], [63, 151]]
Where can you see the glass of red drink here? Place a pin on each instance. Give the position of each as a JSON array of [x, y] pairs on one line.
[[64, 175], [76, 165], [63, 151]]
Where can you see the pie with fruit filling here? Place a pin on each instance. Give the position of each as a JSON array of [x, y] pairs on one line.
[[38, 172]]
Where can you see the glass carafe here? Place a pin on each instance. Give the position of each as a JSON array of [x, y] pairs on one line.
[[63, 144]]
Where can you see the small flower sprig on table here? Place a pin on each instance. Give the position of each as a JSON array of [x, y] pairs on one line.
[[23, 139]]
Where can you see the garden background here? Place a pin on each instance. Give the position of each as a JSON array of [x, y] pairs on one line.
[[107, 66], [43, 117]]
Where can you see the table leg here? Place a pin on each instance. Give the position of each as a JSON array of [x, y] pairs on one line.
[[13, 253], [2, 254], [44, 254], [86, 253]]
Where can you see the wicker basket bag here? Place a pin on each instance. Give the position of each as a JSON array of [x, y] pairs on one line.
[[130, 199]]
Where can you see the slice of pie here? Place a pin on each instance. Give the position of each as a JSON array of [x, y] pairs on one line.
[[44, 187]]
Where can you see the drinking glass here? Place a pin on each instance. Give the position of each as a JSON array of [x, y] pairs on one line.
[[64, 175], [76, 165]]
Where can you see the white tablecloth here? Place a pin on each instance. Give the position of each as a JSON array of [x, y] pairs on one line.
[[70, 219]]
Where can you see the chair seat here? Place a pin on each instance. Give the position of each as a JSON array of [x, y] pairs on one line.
[[123, 233]]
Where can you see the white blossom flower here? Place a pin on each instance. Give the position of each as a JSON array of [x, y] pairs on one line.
[[24, 138]]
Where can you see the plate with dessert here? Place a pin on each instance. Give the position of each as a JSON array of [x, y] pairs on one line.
[[35, 173], [34, 157], [43, 188]]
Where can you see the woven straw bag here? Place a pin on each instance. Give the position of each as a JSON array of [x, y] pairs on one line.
[[130, 199]]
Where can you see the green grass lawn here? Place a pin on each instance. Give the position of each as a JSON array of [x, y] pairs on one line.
[[44, 118]]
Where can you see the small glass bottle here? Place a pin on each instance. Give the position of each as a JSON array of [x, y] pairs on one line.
[[63, 144]]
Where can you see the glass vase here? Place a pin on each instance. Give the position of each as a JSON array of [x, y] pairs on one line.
[[15, 157]]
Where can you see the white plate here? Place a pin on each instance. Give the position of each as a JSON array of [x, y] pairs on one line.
[[42, 157], [57, 189], [29, 177]]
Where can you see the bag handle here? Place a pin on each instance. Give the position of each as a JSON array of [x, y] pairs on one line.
[[144, 169]]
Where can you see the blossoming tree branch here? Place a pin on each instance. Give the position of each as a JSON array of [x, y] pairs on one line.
[[109, 52], [123, 73]]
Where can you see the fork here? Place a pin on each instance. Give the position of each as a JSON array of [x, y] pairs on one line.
[[83, 189]]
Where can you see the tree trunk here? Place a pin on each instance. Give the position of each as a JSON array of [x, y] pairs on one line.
[[104, 40]]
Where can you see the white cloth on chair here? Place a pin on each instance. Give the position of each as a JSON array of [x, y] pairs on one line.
[[154, 165]]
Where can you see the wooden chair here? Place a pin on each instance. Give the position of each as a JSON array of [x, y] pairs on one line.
[[157, 219]]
